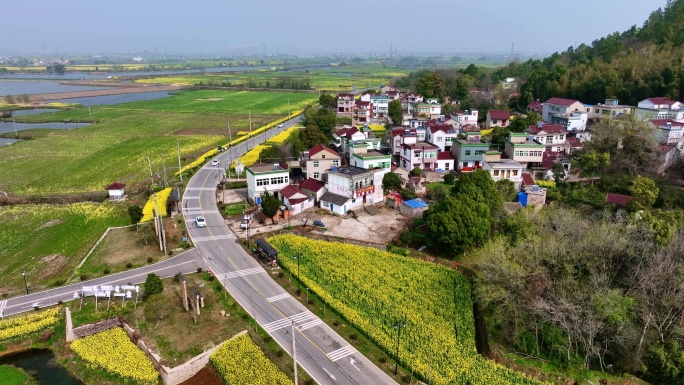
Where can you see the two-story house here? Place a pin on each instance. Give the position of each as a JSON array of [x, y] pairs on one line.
[[668, 131], [422, 155], [345, 135], [362, 112], [497, 118], [660, 108], [609, 110], [316, 160], [369, 159], [380, 106], [262, 177], [469, 152], [441, 135], [536, 107], [552, 136], [430, 111], [398, 138], [503, 168], [522, 148], [345, 104], [445, 161], [464, 118], [573, 122], [555, 106], [349, 187]]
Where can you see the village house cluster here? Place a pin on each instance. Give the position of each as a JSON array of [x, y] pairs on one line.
[[348, 173]]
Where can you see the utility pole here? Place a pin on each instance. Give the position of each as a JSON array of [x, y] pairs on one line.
[[294, 354], [249, 112], [157, 223], [180, 169], [230, 151], [149, 164], [90, 113], [164, 168], [15, 128], [288, 104]]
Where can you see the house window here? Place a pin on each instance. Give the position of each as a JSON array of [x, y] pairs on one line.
[[465, 164], [561, 137], [496, 172], [315, 163], [335, 162], [515, 172], [323, 156], [446, 167], [467, 152], [439, 139], [549, 139], [316, 175]]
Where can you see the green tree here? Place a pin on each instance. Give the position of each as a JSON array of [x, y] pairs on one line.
[[157, 308], [311, 135], [395, 112], [558, 172], [271, 154], [270, 205], [9, 99], [327, 101], [644, 191], [517, 227], [416, 171], [507, 189], [522, 123], [458, 223], [449, 178], [391, 181], [326, 120], [153, 285], [136, 213], [590, 163], [408, 194], [479, 186]]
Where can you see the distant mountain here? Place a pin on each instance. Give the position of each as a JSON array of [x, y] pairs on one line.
[[638, 63]]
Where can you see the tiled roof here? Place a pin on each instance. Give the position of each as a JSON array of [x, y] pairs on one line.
[[548, 128], [618, 199], [562, 101], [664, 122], [399, 131], [574, 142], [348, 132], [312, 185], [334, 198], [115, 186], [318, 148], [499, 114], [421, 145], [445, 155], [662, 100], [664, 148], [446, 128], [346, 96], [527, 179], [291, 191]]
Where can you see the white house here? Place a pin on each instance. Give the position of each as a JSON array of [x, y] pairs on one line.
[[399, 137], [555, 106], [350, 187], [371, 159], [346, 135], [431, 111], [345, 104], [441, 135], [552, 136], [464, 118], [262, 177], [668, 131], [380, 106], [660, 108], [316, 160], [422, 155], [116, 191], [445, 161], [503, 168], [609, 110], [573, 122], [295, 199]]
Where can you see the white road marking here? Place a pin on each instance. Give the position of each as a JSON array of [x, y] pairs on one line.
[[278, 297], [241, 273], [200, 189], [310, 324], [186, 198], [353, 363], [200, 211], [287, 321], [212, 238], [341, 353], [328, 373], [2, 306]]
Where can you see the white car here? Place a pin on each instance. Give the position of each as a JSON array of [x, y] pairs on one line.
[[214, 162], [281, 125], [200, 222]]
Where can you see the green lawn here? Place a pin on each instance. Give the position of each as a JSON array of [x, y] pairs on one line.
[[10, 375], [48, 241]]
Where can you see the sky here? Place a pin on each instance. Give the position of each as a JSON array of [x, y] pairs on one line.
[[312, 26]]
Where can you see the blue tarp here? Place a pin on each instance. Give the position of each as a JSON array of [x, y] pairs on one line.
[[415, 204]]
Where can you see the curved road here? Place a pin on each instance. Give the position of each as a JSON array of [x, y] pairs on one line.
[[325, 355]]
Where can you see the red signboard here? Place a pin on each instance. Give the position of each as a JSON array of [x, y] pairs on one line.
[[365, 190]]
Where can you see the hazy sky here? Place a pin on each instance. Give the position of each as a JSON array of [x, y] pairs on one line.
[[313, 26]]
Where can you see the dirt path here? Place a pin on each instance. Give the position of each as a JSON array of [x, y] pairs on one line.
[[111, 91]]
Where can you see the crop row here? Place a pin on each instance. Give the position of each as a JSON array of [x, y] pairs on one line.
[[156, 201], [114, 352], [240, 361], [251, 157], [375, 290], [15, 327], [283, 137]]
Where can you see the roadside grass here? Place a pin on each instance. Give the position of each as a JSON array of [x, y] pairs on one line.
[[48, 241], [11, 375]]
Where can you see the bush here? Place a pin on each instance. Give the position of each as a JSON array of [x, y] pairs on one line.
[[106, 271], [406, 237], [449, 178], [83, 277], [353, 336], [129, 265], [149, 260], [153, 285], [199, 269]]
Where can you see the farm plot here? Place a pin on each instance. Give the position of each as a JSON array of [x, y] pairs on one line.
[[48, 241], [375, 290]]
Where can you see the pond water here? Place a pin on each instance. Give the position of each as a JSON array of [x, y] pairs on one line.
[[87, 75], [116, 99], [29, 88], [34, 111], [7, 142], [6, 127], [40, 364]]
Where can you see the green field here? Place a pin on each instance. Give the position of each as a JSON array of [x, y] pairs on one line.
[[48, 241], [115, 148], [341, 78], [10, 375], [375, 290]]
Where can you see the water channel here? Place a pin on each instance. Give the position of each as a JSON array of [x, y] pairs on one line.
[[6, 127], [41, 365]]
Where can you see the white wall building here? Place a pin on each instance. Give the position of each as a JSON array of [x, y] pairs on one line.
[[668, 131], [262, 177], [573, 122], [556, 106], [660, 108]]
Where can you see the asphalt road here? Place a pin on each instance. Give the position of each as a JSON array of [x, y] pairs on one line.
[[324, 354], [186, 262]]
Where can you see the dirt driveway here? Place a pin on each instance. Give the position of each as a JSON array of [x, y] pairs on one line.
[[378, 229]]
